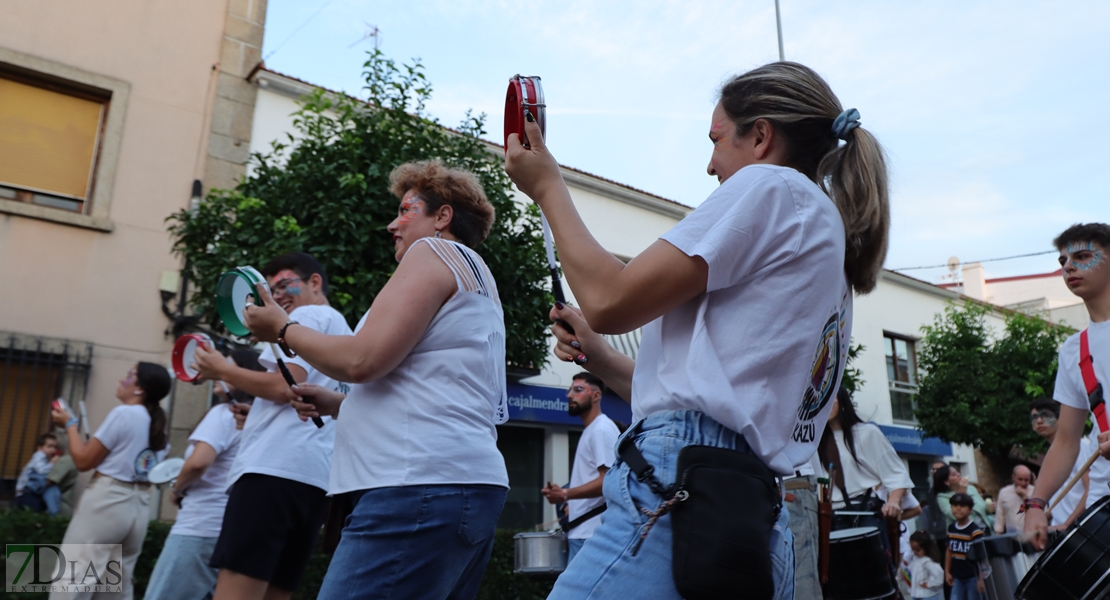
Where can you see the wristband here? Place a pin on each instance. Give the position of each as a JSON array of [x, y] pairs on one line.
[[72, 421], [281, 340], [1034, 503]]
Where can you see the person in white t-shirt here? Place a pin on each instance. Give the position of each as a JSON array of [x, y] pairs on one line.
[[1044, 415], [279, 479], [115, 508], [594, 457], [416, 446], [1085, 266], [746, 309], [200, 491]]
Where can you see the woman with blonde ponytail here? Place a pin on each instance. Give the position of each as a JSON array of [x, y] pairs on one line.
[[746, 309], [115, 507]]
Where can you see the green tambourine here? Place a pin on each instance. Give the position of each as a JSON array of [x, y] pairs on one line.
[[233, 293]]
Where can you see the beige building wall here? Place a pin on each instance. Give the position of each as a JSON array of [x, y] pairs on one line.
[[180, 111]]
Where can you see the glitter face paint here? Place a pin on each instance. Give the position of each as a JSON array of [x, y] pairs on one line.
[[411, 207], [719, 131], [1083, 256], [286, 282]]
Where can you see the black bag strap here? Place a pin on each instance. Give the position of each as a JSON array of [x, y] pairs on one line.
[[593, 512], [645, 473]]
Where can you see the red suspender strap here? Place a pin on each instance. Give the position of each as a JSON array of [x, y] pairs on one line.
[[1094, 388]]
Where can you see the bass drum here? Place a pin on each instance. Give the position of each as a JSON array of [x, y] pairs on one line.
[[1077, 565], [540, 554], [858, 565]]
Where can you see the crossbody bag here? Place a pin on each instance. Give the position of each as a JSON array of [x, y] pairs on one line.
[[723, 505]]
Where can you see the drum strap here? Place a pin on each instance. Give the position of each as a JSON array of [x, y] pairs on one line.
[[1091, 383], [593, 512]]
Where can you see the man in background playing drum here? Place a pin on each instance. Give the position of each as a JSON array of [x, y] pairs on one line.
[[279, 479], [595, 456]]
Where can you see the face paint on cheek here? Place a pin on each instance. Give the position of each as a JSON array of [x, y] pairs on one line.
[[293, 289]]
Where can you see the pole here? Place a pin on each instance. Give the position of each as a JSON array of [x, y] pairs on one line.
[[778, 22]]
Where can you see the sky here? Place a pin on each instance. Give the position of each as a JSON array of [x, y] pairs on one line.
[[995, 116]]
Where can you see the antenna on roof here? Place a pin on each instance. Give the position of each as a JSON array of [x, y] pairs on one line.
[[372, 31], [953, 268]]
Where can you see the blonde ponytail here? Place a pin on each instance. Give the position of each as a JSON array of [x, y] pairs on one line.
[[802, 108]]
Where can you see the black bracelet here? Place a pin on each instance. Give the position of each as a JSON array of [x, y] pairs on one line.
[[281, 340]]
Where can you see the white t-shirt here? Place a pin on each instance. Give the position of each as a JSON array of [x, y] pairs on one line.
[[126, 435], [432, 420], [202, 509], [878, 464], [763, 350], [1071, 392], [596, 448], [274, 439]]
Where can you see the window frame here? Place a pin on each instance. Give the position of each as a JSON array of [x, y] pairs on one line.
[[66, 79], [894, 385]]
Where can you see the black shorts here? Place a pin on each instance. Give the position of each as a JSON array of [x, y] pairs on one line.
[[269, 529]]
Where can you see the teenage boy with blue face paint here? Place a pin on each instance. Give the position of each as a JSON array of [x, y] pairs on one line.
[[1084, 265]]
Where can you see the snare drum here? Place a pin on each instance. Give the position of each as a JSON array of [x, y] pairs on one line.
[[233, 293], [858, 565], [183, 350], [1077, 565], [540, 554], [524, 92]]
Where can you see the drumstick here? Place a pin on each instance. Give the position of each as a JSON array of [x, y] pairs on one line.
[[289, 378], [556, 282], [1074, 479]]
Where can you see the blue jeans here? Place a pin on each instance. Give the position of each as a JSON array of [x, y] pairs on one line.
[[182, 571], [803, 526], [52, 496], [606, 567], [966, 589], [416, 542], [573, 547]]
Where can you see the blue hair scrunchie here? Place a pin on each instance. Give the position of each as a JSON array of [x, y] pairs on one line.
[[844, 123]]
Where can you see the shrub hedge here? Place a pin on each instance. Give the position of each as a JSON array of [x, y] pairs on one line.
[[498, 583]]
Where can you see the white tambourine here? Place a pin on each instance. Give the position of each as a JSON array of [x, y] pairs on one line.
[[165, 471], [233, 293], [183, 350]]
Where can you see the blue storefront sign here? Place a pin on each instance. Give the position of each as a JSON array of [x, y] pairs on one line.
[[540, 404], [913, 441]]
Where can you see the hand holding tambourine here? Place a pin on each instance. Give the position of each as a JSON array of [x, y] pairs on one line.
[[533, 169], [266, 321]]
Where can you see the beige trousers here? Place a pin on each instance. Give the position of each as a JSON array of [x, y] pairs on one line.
[[110, 513]]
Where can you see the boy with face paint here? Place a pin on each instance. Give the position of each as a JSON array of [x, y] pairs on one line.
[[1043, 417], [1084, 266]]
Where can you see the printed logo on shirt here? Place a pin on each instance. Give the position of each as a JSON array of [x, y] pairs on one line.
[[822, 381], [144, 462]]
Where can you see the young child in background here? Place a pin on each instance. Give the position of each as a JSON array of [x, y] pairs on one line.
[[926, 575], [960, 572]]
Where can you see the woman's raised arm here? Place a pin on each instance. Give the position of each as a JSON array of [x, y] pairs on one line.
[[397, 320]]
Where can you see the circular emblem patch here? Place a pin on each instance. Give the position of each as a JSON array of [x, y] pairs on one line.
[[144, 462], [822, 375]]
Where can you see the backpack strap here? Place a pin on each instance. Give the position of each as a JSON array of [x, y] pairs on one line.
[[1091, 383]]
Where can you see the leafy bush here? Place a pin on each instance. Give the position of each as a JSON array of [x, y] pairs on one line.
[[326, 193], [25, 527]]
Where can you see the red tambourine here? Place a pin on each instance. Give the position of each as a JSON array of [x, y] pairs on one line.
[[524, 92], [183, 350]]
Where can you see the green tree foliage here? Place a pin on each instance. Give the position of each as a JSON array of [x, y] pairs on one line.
[[325, 192], [852, 380], [976, 389]]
